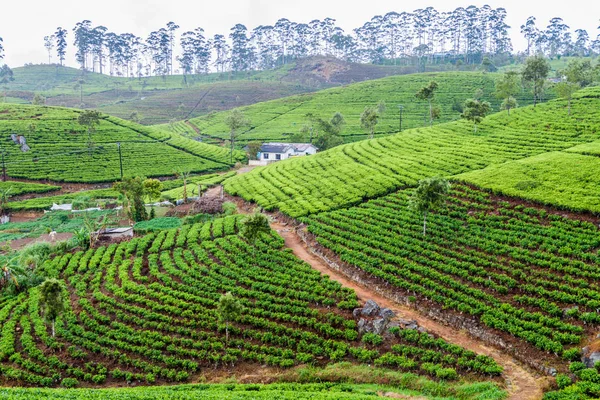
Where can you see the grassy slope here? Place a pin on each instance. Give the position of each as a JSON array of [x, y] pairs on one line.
[[348, 174], [59, 147], [277, 119]]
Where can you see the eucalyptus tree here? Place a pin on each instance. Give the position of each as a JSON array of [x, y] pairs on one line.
[[171, 28], [282, 29], [531, 33], [221, 48], [97, 43], [83, 42], [556, 36], [535, 73], [158, 45], [264, 39], [581, 45], [1, 49], [243, 54], [49, 43], [61, 44]]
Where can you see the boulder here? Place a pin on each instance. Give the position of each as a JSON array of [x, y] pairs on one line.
[[591, 359], [386, 313], [379, 326], [356, 313], [370, 309], [364, 326], [421, 329]]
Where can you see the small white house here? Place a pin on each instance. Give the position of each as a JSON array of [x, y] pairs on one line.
[[270, 152]]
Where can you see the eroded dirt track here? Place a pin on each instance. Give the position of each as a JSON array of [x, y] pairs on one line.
[[520, 382]]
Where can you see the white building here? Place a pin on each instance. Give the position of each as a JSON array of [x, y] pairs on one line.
[[270, 152]]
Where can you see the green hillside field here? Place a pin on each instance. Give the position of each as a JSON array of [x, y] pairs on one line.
[[145, 311], [278, 119], [349, 174], [59, 149]]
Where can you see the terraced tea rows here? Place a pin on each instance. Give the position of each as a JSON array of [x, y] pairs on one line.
[[514, 269], [348, 174], [276, 120], [59, 148], [145, 310]]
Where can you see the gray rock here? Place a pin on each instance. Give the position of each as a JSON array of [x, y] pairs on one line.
[[552, 371], [364, 326], [591, 359], [379, 326], [422, 330], [386, 313], [356, 313], [370, 309]]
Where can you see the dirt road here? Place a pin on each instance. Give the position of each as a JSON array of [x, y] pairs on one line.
[[521, 383]]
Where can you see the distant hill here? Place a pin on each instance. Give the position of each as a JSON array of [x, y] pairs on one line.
[[159, 100], [59, 148], [278, 119]]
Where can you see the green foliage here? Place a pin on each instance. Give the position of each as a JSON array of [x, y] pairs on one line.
[[254, 226], [534, 73], [135, 189], [59, 141], [563, 179], [475, 111], [552, 264], [349, 174], [429, 195], [51, 300], [157, 224], [277, 120]]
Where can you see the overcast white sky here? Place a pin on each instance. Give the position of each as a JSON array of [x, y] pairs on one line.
[[24, 23]]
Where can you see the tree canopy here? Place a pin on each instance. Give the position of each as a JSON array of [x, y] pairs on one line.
[[430, 194]]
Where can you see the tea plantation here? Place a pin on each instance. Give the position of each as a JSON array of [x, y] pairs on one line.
[[278, 119], [348, 174], [145, 311], [60, 148]]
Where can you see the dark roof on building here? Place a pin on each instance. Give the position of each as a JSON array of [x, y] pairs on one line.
[[283, 147]]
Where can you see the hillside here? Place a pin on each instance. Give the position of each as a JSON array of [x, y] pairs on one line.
[[59, 149], [145, 311], [348, 174], [158, 100], [520, 274], [278, 119]]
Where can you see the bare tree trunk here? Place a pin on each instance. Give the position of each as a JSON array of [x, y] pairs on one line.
[[227, 332], [53, 328], [569, 106], [424, 223], [430, 114]]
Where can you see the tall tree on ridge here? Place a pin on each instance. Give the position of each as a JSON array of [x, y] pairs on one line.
[[171, 28], [49, 45], [61, 44], [83, 42]]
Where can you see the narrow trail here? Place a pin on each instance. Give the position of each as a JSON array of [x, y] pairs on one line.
[[521, 384]]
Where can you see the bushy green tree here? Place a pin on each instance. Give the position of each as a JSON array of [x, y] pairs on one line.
[[134, 191], [475, 111], [427, 93], [428, 196], [235, 121], [507, 87], [565, 91], [51, 300], [228, 309], [254, 226], [535, 73], [90, 119]]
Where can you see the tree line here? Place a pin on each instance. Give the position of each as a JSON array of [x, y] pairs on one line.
[[463, 35]]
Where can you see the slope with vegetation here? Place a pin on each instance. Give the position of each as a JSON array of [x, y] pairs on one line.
[[501, 265], [346, 175], [151, 310], [61, 149], [280, 119]]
